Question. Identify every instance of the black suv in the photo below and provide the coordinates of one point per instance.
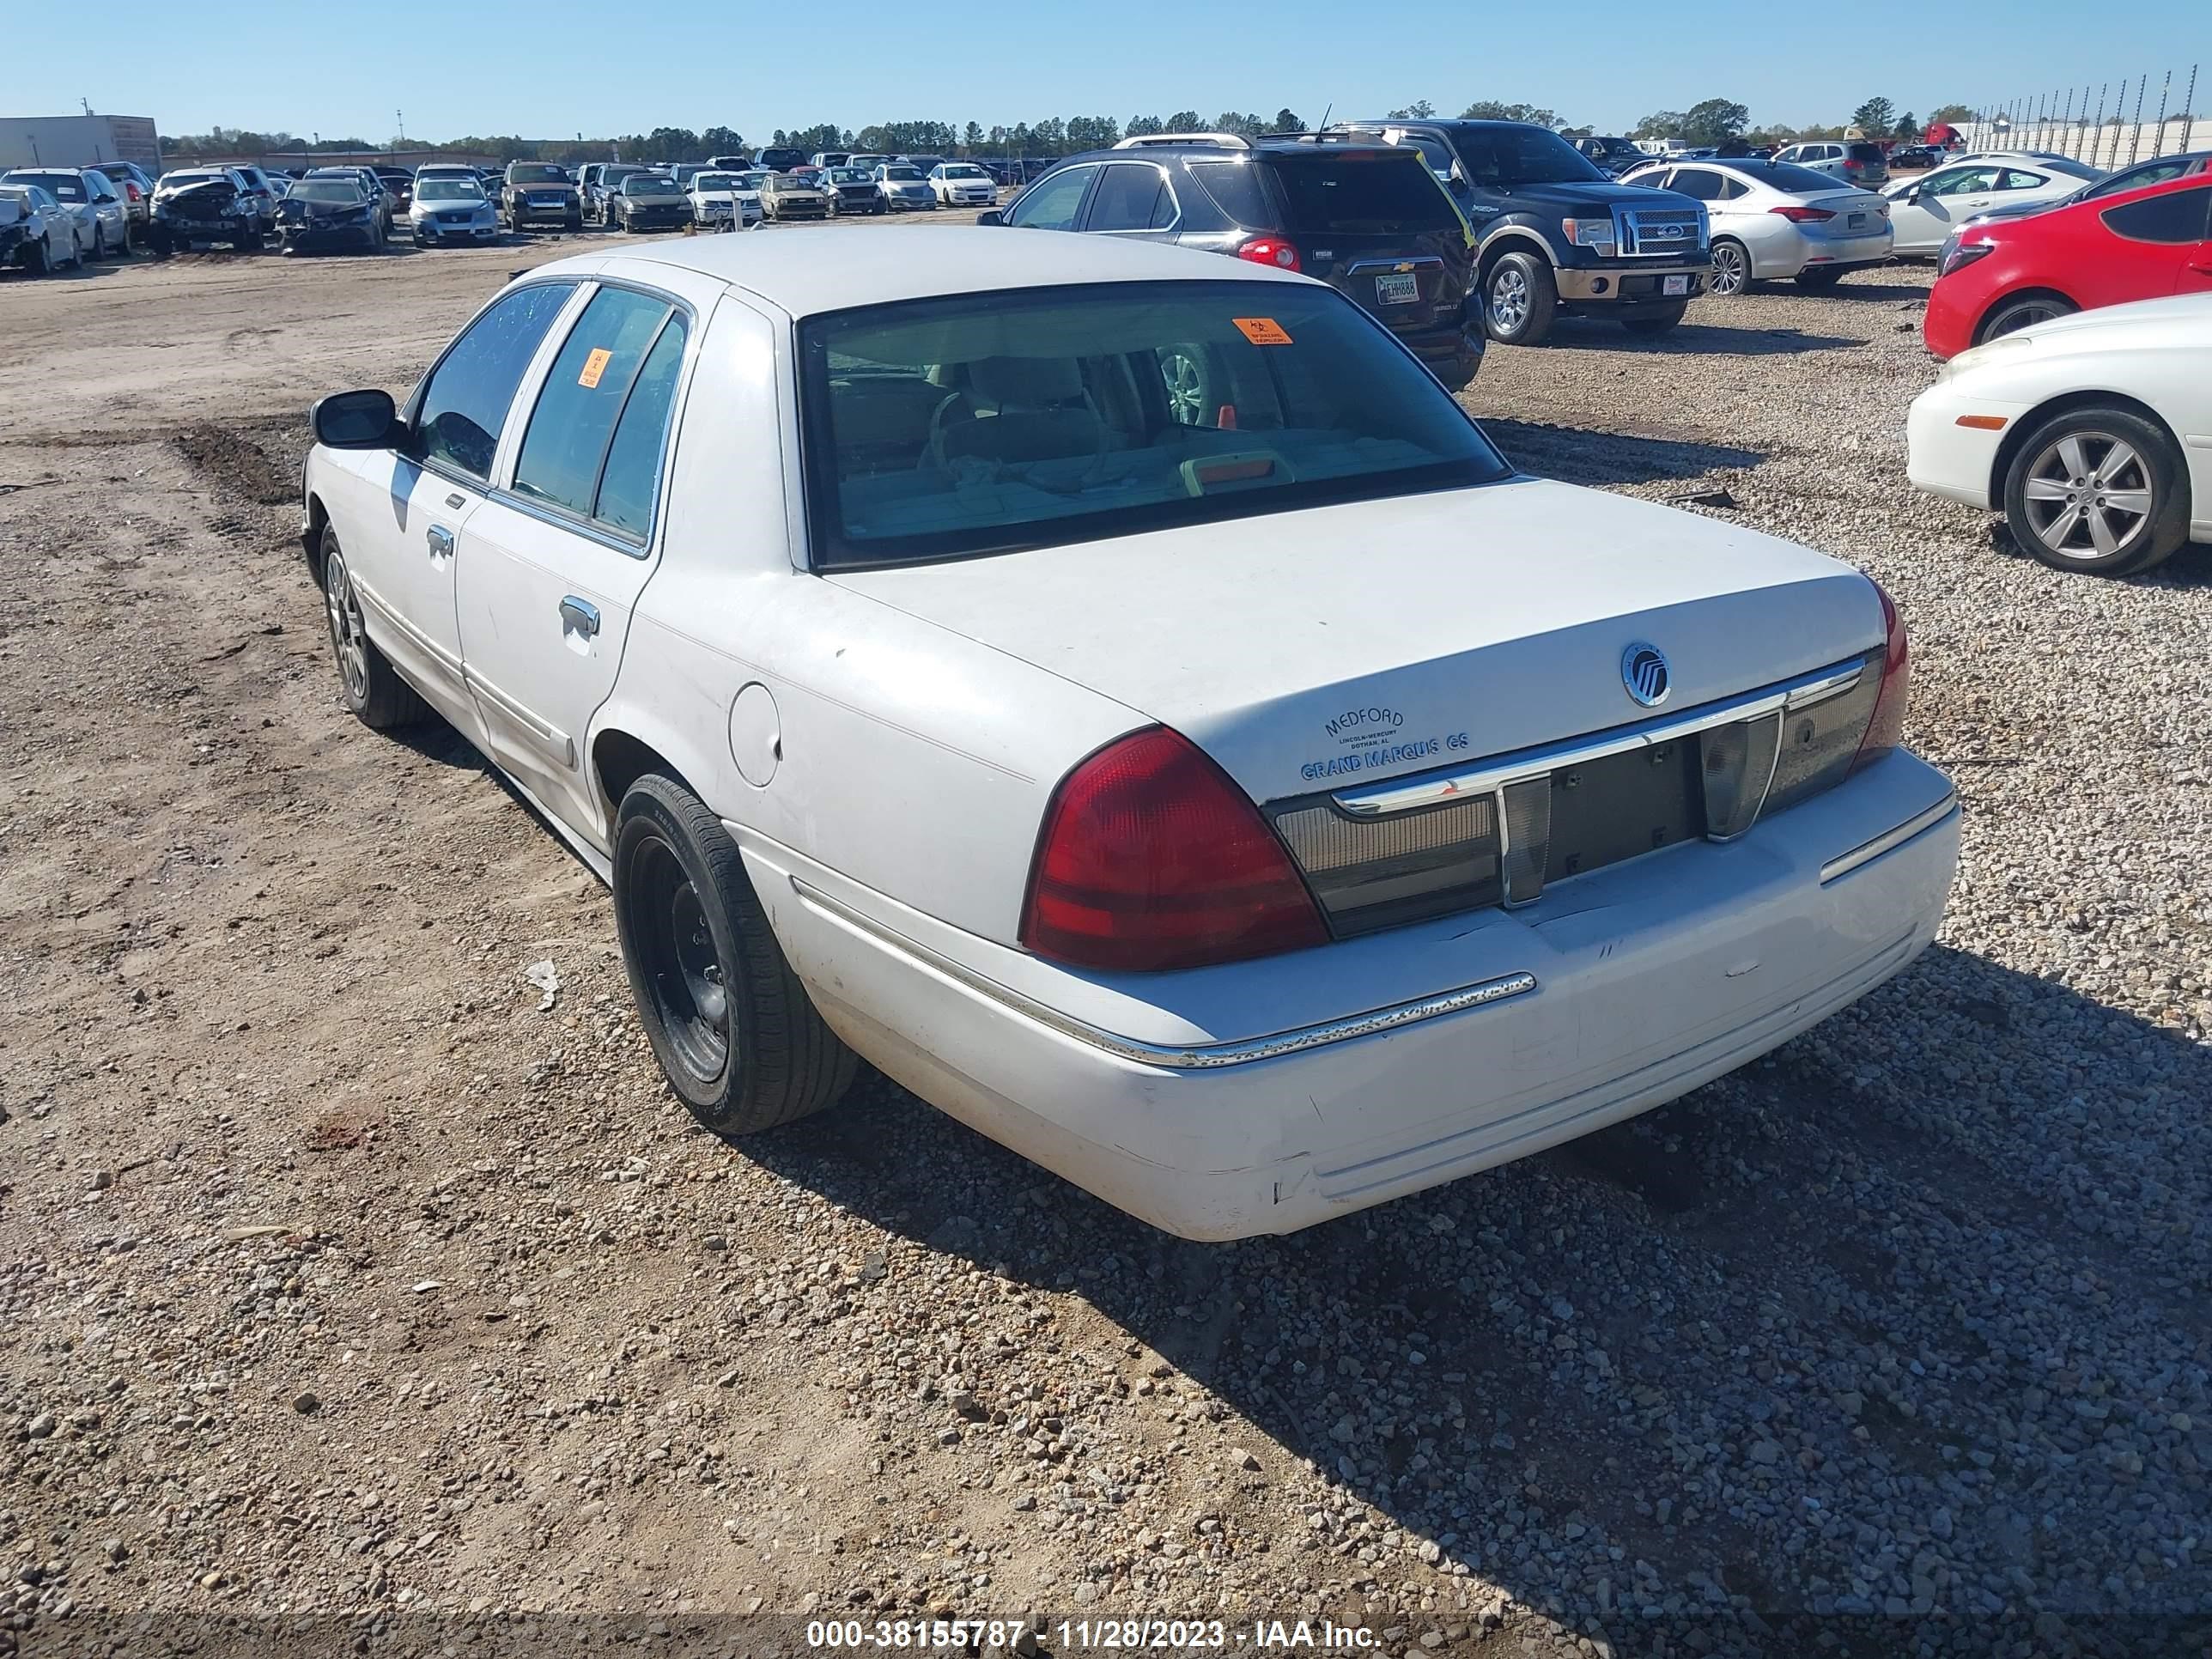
(1552, 231)
(1359, 216)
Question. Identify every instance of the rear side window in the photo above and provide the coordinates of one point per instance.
(1240, 192)
(1700, 183)
(1131, 197)
(1370, 191)
(572, 433)
(986, 422)
(2180, 215)
(463, 404)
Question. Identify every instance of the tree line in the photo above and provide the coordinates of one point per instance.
(1713, 121)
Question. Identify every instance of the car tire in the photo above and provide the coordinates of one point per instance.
(100, 244)
(1519, 300)
(1731, 268)
(2022, 311)
(1819, 278)
(39, 258)
(738, 1039)
(1653, 320)
(372, 687)
(2125, 461)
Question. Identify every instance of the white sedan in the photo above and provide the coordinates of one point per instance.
(719, 201)
(1250, 819)
(2091, 433)
(961, 184)
(1771, 220)
(1926, 209)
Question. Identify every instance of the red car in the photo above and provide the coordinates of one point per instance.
(2013, 273)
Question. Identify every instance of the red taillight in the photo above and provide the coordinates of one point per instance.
(1150, 858)
(1803, 216)
(1271, 251)
(1887, 726)
(1855, 167)
(135, 192)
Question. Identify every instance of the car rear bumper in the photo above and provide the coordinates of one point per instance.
(1453, 354)
(1204, 1115)
(1640, 285)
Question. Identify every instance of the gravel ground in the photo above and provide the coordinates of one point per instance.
(347, 1282)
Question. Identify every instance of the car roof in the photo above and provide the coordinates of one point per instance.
(805, 272)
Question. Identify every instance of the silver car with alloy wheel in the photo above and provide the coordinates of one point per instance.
(1773, 220)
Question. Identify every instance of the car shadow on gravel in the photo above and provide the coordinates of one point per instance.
(1597, 334)
(1906, 1318)
(1578, 455)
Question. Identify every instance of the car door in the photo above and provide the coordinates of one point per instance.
(558, 556)
(2162, 244)
(404, 514)
(1134, 200)
(1923, 216)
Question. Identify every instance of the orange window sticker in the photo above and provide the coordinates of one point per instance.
(594, 366)
(1262, 331)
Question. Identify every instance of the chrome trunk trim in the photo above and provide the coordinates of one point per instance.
(1890, 839)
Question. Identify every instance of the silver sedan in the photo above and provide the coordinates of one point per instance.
(1773, 219)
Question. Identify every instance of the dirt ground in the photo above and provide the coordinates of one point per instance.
(342, 1279)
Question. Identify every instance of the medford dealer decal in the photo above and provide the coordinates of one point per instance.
(1369, 734)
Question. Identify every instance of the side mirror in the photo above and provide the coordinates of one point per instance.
(356, 420)
(991, 217)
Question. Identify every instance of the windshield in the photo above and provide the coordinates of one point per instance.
(903, 173)
(751, 180)
(62, 187)
(2151, 173)
(184, 180)
(848, 176)
(988, 422)
(791, 181)
(1362, 192)
(612, 176)
(964, 170)
(536, 173)
(447, 190)
(332, 192)
(1505, 156)
(707, 182)
(650, 184)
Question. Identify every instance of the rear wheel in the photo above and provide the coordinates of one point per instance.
(1519, 300)
(2025, 311)
(2098, 490)
(1653, 320)
(99, 243)
(379, 698)
(1731, 269)
(735, 1032)
(1819, 277)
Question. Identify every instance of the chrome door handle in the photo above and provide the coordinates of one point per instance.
(580, 616)
(442, 542)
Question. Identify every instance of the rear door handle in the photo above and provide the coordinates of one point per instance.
(580, 616)
(442, 542)
(456, 500)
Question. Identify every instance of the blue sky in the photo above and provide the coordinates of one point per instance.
(554, 68)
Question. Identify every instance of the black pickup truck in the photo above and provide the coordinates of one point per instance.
(1554, 233)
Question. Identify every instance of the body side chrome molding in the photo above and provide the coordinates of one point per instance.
(1890, 839)
(1198, 1056)
(1494, 774)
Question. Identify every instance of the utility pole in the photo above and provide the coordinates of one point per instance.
(86, 102)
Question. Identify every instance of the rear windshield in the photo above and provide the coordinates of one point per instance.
(989, 423)
(1865, 152)
(62, 187)
(1362, 192)
(536, 173)
(1785, 175)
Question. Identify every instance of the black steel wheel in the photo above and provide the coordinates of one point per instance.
(736, 1036)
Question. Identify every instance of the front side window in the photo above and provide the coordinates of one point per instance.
(1964, 181)
(987, 423)
(461, 407)
(2180, 215)
(1051, 205)
(565, 448)
(1131, 197)
(1502, 157)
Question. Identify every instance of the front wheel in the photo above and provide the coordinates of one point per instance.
(372, 689)
(2100, 491)
(99, 243)
(39, 257)
(1653, 320)
(736, 1034)
(1731, 270)
(1519, 298)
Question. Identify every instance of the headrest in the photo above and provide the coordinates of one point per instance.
(1031, 382)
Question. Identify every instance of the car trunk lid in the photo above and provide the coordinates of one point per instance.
(1353, 644)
